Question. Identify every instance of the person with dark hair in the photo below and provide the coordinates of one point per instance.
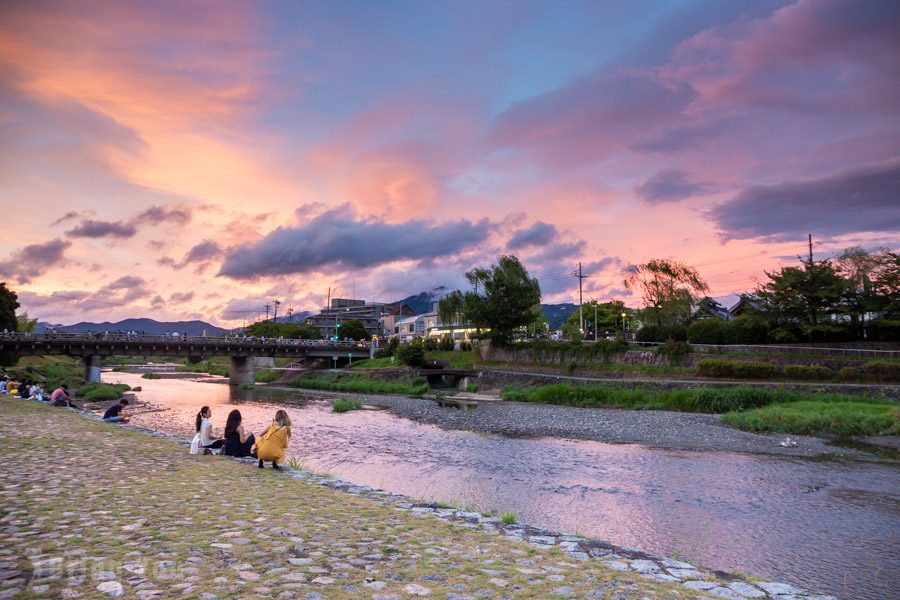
(203, 424)
(60, 396)
(274, 441)
(114, 414)
(237, 442)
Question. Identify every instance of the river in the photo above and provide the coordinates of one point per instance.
(832, 526)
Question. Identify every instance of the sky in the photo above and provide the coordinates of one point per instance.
(195, 160)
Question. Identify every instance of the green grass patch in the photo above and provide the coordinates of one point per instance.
(811, 417)
(706, 400)
(265, 376)
(99, 392)
(246, 386)
(736, 369)
(809, 372)
(508, 518)
(374, 363)
(457, 358)
(360, 385)
(151, 376)
(342, 405)
(210, 367)
(883, 370)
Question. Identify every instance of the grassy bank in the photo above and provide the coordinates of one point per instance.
(269, 535)
(812, 417)
(752, 409)
(360, 385)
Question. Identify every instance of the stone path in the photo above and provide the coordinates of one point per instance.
(92, 510)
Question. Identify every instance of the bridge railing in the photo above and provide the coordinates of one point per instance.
(94, 337)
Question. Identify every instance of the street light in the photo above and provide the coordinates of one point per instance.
(623, 326)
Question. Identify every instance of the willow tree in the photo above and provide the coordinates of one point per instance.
(668, 288)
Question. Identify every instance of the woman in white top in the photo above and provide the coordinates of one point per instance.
(203, 424)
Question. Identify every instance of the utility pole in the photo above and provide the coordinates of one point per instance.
(810, 251)
(595, 320)
(267, 311)
(291, 314)
(580, 277)
(275, 317)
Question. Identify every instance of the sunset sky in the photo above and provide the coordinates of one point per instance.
(183, 160)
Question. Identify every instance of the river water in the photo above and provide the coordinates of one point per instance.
(832, 526)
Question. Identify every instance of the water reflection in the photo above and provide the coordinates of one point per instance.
(832, 526)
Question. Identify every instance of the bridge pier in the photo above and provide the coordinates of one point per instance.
(92, 368)
(241, 370)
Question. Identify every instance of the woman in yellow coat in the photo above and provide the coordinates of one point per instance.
(272, 443)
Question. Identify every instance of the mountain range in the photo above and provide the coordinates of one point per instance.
(148, 326)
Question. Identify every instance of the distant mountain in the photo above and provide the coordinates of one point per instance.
(557, 314)
(423, 302)
(148, 326)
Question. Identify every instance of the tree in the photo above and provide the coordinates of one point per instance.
(354, 329)
(858, 268)
(886, 283)
(293, 331)
(802, 294)
(24, 324)
(450, 309)
(609, 318)
(8, 305)
(668, 289)
(505, 299)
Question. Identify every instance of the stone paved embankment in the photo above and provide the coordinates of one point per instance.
(92, 510)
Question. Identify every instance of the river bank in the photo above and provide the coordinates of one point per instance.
(142, 518)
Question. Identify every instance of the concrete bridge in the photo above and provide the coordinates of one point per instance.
(92, 347)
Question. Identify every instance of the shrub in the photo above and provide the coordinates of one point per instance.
(784, 335)
(446, 343)
(884, 330)
(850, 374)
(411, 354)
(829, 333)
(808, 372)
(151, 376)
(342, 405)
(430, 344)
(672, 351)
(363, 386)
(465, 346)
(515, 394)
(383, 353)
(739, 369)
(883, 370)
(709, 331)
(508, 518)
(748, 330)
(99, 392)
(265, 375)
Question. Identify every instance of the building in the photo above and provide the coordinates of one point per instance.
(346, 309)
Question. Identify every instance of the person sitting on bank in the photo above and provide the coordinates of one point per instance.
(237, 442)
(274, 441)
(114, 414)
(60, 397)
(203, 424)
(37, 392)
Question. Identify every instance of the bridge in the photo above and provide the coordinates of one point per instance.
(92, 347)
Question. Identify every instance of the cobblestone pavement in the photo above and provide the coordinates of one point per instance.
(93, 510)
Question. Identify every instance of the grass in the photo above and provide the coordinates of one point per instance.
(360, 385)
(99, 392)
(213, 368)
(457, 359)
(706, 400)
(265, 375)
(509, 518)
(151, 376)
(374, 363)
(246, 386)
(342, 405)
(811, 417)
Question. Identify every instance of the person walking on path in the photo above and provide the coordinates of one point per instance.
(274, 440)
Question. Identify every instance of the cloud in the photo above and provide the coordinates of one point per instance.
(590, 118)
(181, 298)
(539, 234)
(858, 200)
(202, 252)
(125, 289)
(66, 217)
(34, 260)
(90, 228)
(155, 215)
(336, 239)
(671, 185)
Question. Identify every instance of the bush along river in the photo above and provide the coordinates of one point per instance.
(829, 525)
